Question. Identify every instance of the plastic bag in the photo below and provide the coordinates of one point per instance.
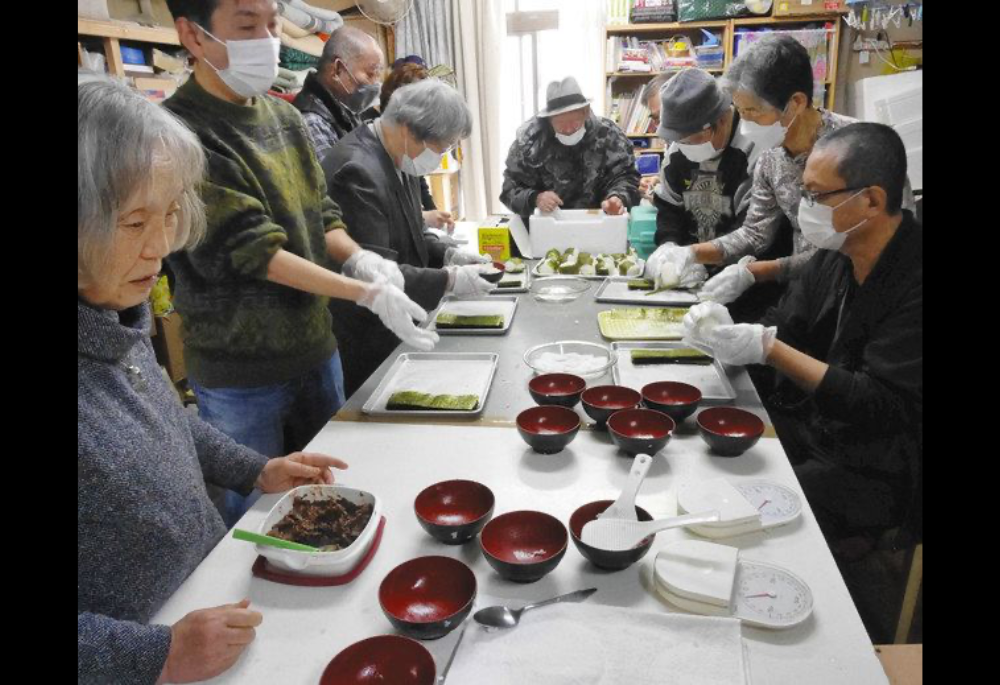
(698, 10)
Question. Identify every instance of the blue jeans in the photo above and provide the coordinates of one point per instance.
(271, 419)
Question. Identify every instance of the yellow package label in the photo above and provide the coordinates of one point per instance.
(495, 242)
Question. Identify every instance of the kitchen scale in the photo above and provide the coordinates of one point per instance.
(713, 580)
(745, 507)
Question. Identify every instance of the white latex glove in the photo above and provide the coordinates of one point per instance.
(742, 343)
(397, 313)
(466, 282)
(456, 257)
(693, 276)
(730, 283)
(369, 267)
(669, 264)
(701, 320)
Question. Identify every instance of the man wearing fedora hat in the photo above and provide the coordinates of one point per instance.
(565, 156)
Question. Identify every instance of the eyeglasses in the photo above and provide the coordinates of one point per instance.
(810, 198)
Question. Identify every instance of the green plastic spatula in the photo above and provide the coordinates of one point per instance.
(270, 541)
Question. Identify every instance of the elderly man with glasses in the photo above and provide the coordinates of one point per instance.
(846, 342)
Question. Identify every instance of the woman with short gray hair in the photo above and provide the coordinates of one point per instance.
(373, 174)
(144, 518)
(771, 82)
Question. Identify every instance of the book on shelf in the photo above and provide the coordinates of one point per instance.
(652, 11)
(630, 112)
(618, 11)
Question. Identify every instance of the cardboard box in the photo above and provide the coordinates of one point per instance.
(495, 242)
(786, 8)
(169, 346)
(155, 89)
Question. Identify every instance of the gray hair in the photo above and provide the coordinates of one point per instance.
(773, 69)
(656, 85)
(121, 138)
(432, 111)
(347, 43)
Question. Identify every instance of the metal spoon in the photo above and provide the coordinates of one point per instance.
(505, 617)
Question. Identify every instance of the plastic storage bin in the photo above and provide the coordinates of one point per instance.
(642, 230)
(132, 55)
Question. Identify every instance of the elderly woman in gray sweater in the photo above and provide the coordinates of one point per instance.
(144, 519)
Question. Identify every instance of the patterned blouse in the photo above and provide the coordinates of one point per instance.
(777, 188)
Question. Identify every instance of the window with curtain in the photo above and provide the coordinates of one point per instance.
(574, 49)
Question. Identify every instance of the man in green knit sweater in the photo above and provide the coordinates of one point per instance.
(259, 347)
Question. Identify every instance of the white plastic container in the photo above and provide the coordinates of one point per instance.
(588, 230)
(330, 564)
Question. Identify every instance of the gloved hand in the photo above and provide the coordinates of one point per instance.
(693, 276)
(465, 281)
(730, 283)
(397, 313)
(701, 320)
(669, 265)
(742, 343)
(367, 266)
(455, 257)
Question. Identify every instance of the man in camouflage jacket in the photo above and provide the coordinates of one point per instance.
(568, 157)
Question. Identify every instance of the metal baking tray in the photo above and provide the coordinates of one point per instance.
(710, 379)
(525, 277)
(642, 323)
(615, 290)
(436, 373)
(501, 304)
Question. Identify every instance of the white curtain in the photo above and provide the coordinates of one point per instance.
(479, 34)
(428, 30)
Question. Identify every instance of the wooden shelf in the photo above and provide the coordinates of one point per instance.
(799, 19)
(714, 70)
(660, 28)
(127, 31)
(728, 29)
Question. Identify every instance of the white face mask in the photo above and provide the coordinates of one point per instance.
(765, 137)
(573, 138)
(425, 163)
(253, 65)
(816, 224)
(699, 153)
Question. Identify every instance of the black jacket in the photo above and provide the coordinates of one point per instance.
(721, 198)
(867, 413)
(382, 214)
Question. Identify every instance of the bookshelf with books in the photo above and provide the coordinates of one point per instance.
(144, 54)
(637, 52)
